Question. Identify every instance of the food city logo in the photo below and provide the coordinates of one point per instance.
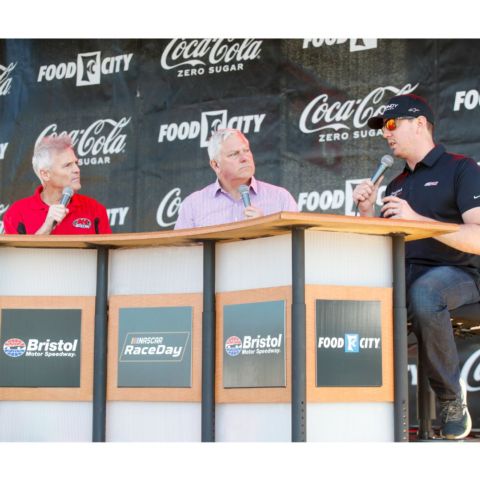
(191, 57)
(5, 78)
(209, 122)
(334, 199)
(3, 150)
(88, 68)
(96, 143)
(468, 99)
(356, 44)
(347, 119)
(116, 216)
(154, 347)
(16, 347)
(248, 345)
(349, 343)
(3, 209)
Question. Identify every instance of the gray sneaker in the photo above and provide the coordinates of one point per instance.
(456, 421)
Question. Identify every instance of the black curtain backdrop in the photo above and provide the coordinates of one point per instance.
(140, 112)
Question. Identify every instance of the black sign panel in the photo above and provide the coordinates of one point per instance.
(348, 343)
(254, 345)
(155, 347)
(40, 348)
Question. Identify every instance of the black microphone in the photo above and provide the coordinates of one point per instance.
(21, 230)
(244, 192)
(67, 195)
(385, 163)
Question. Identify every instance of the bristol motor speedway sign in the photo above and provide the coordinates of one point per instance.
(40, 348)
(254, 345)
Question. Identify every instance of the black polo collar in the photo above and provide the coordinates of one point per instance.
(430, 158)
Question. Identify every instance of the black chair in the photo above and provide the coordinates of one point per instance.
(465, 322)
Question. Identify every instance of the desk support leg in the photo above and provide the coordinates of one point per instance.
(100, 348)
(299, 382)
(400, 347)
(208, 343)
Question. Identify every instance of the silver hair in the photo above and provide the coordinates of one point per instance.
(43, 153)
(218, 137)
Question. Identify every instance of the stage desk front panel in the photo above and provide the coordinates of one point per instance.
(38, 278)
(252, 270)
(155, 277)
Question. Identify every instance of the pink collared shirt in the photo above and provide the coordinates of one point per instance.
(213, 206)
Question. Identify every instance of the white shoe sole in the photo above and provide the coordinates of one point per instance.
(463, 386)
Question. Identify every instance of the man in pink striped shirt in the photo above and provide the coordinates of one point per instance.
(221, 202)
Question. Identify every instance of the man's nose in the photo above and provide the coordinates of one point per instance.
(244, 156)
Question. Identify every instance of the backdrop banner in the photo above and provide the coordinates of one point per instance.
(140, 113)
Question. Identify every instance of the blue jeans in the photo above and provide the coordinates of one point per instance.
(431, 293)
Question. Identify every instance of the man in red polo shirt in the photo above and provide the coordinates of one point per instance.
(56, 165)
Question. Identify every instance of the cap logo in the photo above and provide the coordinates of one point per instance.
(413, 110)
(391, 106)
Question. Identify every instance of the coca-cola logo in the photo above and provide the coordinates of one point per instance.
(321, 114)
(471, 372)
(96, 143)
(5, 79)
(168, 209)
(191, 57)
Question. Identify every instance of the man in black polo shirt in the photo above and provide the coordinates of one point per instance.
(442, 273)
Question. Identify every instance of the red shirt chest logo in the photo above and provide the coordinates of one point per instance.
(84, 223)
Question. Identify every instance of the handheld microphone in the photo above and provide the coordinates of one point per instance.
(67, 195)
(385, 163)
(244, 192)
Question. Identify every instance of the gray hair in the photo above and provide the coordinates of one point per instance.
(218, 137)
(44, 149)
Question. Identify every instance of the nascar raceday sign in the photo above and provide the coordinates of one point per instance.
(155, 347)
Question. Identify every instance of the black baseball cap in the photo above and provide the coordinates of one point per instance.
(409, 105)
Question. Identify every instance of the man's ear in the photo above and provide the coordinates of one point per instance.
(422, 121)
(44, 175)
(214, 165)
